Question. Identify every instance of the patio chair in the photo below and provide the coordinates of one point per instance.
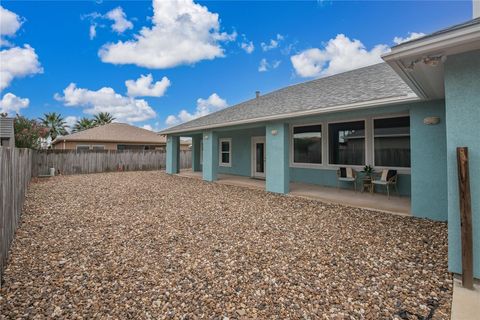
(346, 174)
(387, 178)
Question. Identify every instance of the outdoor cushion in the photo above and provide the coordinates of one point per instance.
(346, 172)
(379, 182)
(391, 173)
(384, 175)
(346, 179)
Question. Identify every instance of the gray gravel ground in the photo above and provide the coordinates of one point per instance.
(145, 245)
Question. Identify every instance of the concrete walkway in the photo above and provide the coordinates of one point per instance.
(466, 303)
(375, 201)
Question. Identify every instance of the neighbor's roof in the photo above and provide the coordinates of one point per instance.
(372, 85)
(115, 132)
(456, 27)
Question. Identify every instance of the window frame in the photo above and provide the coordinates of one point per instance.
(292, 147)
(220, 152)
(82, 146)
(366, 138)
(402, 170)
(97, 146)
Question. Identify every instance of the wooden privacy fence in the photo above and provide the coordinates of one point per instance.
(15, 174)
(73, 162)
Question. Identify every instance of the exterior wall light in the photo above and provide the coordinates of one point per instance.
(431, 120)
(274, 132)
(205, 137)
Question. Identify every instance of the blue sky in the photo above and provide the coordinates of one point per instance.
(52, 60)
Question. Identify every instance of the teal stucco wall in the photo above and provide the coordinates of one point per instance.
(241, 150)
(210, 156)
(277, 168)
(462, 99)
(428, 147)
(173, 154)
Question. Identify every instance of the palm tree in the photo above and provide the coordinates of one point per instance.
(83, 124)
(102, 118)
(55, 123)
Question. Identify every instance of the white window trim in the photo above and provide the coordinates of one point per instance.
(294, 164)
(367, 135)
(220, 163)
(400, 170)
(369, 147)
(82, 146)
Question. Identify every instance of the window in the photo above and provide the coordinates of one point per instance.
(83, 148)
(225, 152)
(130, 147)
(307, 144)
(392, 142)
(347, 143)
(98, 148)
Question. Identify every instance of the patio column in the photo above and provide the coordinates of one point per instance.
(210, 156)
(173, 154)
(196, 150)
(277, 166)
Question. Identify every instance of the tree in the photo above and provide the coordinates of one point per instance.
(28, 132)
(55, 123)
(83, 124)
(102, 118)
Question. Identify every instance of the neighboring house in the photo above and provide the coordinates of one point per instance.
(113, 136)
(7, 134)
(409, 114)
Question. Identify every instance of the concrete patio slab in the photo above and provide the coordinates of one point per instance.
(373, 201)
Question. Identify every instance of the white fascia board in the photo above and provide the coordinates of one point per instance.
(456, 38)
(346, 107)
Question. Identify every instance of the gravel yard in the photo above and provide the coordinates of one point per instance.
(144, 245)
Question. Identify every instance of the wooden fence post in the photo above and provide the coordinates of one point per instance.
(465, 217)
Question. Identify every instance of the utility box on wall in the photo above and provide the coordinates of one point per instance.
(7, 136)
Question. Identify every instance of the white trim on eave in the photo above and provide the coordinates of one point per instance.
(449, 39)
(345, 107)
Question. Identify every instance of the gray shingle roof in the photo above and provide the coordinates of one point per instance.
(361, 85)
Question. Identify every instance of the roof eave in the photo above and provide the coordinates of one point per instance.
(346, 107)
(107, 141)
(455, 38)
(444, 44)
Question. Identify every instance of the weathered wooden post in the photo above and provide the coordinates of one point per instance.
(465, 217)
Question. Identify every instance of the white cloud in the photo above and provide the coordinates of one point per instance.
(119, 18)
(92, 31)
(147, 127)
(70, 121)
(274, 43)
(248, 47)
(204, 106)
(10, 103)
(9, 22)
(107, 100)
(183, 32)
(18, 62)
(265, 65)
(144, 86)
(411, 36)
(339, 55)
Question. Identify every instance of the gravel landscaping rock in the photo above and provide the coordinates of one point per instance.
(146, 245)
